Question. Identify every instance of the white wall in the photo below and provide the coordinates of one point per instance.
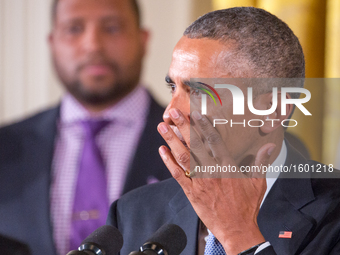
(167, 21)
(27, 83)
(24, 68)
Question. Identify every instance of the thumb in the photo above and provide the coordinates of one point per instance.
(262, 159)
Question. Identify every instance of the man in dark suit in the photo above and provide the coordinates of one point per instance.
(97, 48)
(223, 212)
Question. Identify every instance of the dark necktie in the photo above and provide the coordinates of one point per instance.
(91, 203)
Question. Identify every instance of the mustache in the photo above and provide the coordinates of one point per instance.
(98, 60)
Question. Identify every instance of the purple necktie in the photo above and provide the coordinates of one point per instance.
(91, 203)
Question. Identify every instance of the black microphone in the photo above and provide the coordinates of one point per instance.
(170, 239)
(105, 240)
(10, 246)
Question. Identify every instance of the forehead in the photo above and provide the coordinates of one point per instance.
(87, 9)
(199, 58)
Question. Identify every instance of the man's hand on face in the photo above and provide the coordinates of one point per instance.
(227, 206)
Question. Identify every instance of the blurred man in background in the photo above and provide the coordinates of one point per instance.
(62, 168)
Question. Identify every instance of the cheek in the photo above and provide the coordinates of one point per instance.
(181, 101)
(65, 64)
(65, 55)
(183, 104)
(124, 49)
(65, 47)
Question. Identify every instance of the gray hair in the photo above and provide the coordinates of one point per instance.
(263, 46)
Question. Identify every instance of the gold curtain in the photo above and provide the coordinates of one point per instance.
(307, 18)
(223, 4)
(332, 70)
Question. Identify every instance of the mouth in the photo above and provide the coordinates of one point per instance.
(97, 69)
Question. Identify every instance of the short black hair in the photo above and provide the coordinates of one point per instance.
(134, 4)
(264, 46)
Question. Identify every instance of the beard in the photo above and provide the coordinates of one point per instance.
(113, 93)
(102, 91)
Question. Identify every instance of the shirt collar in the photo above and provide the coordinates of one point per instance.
(132, 108)
(281, 158)
(278, 163)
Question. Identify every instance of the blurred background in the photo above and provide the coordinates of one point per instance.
(28, 84)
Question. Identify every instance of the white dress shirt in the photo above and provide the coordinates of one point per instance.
(117, 142)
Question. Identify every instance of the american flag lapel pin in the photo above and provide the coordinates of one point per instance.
(285, 234)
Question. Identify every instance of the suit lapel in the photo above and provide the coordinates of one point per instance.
(39, 147)
(147, 166)
(273, 219)
(281, 209)
(185, 216)
(279, 212)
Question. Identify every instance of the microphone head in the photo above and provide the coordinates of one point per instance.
(171, 237)
(107, 238)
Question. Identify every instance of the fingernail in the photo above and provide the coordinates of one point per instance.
(163, 128)
(166, 115)
(270, 150)
(162, 150)
(174, 113)
(196, 115)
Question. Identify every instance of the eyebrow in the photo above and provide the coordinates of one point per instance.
(79, 18)
(168, 79)
(185, 82)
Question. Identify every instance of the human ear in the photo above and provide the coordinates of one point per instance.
(274, 120)
(144, 39)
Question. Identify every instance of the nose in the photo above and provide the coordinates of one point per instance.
(92, 39)
(166, 115)
(182, 103)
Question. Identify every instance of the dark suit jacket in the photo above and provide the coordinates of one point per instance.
(26, 152)
(307, 207)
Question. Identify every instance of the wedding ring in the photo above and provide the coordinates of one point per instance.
(189, 174)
